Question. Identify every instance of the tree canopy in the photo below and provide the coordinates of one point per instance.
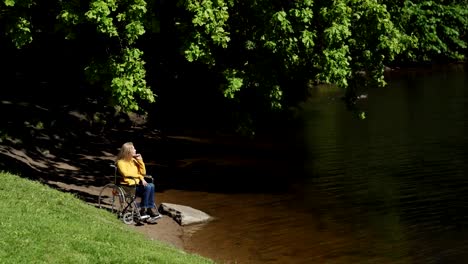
(259, 54)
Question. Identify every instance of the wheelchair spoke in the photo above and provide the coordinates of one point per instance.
(111, 198)
(121, 201)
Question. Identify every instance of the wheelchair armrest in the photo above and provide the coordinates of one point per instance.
(149, 178)
(133, 177)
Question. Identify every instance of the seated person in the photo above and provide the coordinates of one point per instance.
(132, 169)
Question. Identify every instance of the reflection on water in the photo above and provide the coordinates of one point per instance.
(392, 188)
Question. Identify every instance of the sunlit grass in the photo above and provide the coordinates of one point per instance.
(41, 225)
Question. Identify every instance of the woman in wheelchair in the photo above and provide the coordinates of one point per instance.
(133, 171)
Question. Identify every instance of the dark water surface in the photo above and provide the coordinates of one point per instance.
(392, 188)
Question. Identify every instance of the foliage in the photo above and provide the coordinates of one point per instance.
(209, 20)
(18, 25)
(290, 44)
(119, 68)
(439, 28)
(267, 52)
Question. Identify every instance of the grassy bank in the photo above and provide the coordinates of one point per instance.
(41, 225)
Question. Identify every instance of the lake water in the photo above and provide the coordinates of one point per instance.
(390, 188)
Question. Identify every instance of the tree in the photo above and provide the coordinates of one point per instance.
(113, 27)
(263, 55)
(288, 45)
(439, 28)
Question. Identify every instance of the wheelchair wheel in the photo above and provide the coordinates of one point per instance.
(112, 198)
(128, 217)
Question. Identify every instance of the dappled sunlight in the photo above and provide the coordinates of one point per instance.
(22, 156)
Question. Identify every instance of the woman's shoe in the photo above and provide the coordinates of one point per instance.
(152, 214)
(143, 214)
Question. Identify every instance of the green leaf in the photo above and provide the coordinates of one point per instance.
(9, 2)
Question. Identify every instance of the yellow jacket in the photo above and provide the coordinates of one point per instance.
(133, 168)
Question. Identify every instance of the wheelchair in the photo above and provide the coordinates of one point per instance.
(122, 200)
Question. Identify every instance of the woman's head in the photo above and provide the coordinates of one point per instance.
(126, 151)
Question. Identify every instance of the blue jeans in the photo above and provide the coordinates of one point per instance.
(147, 195)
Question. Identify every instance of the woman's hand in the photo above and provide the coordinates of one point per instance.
(144, 182)
(138, 156)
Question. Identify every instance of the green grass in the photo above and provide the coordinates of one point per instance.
(39, 224)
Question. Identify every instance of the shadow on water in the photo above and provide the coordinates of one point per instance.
(391, 188)
(401, 172)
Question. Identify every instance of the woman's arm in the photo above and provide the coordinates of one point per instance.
(141, 165)
(130, 171)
